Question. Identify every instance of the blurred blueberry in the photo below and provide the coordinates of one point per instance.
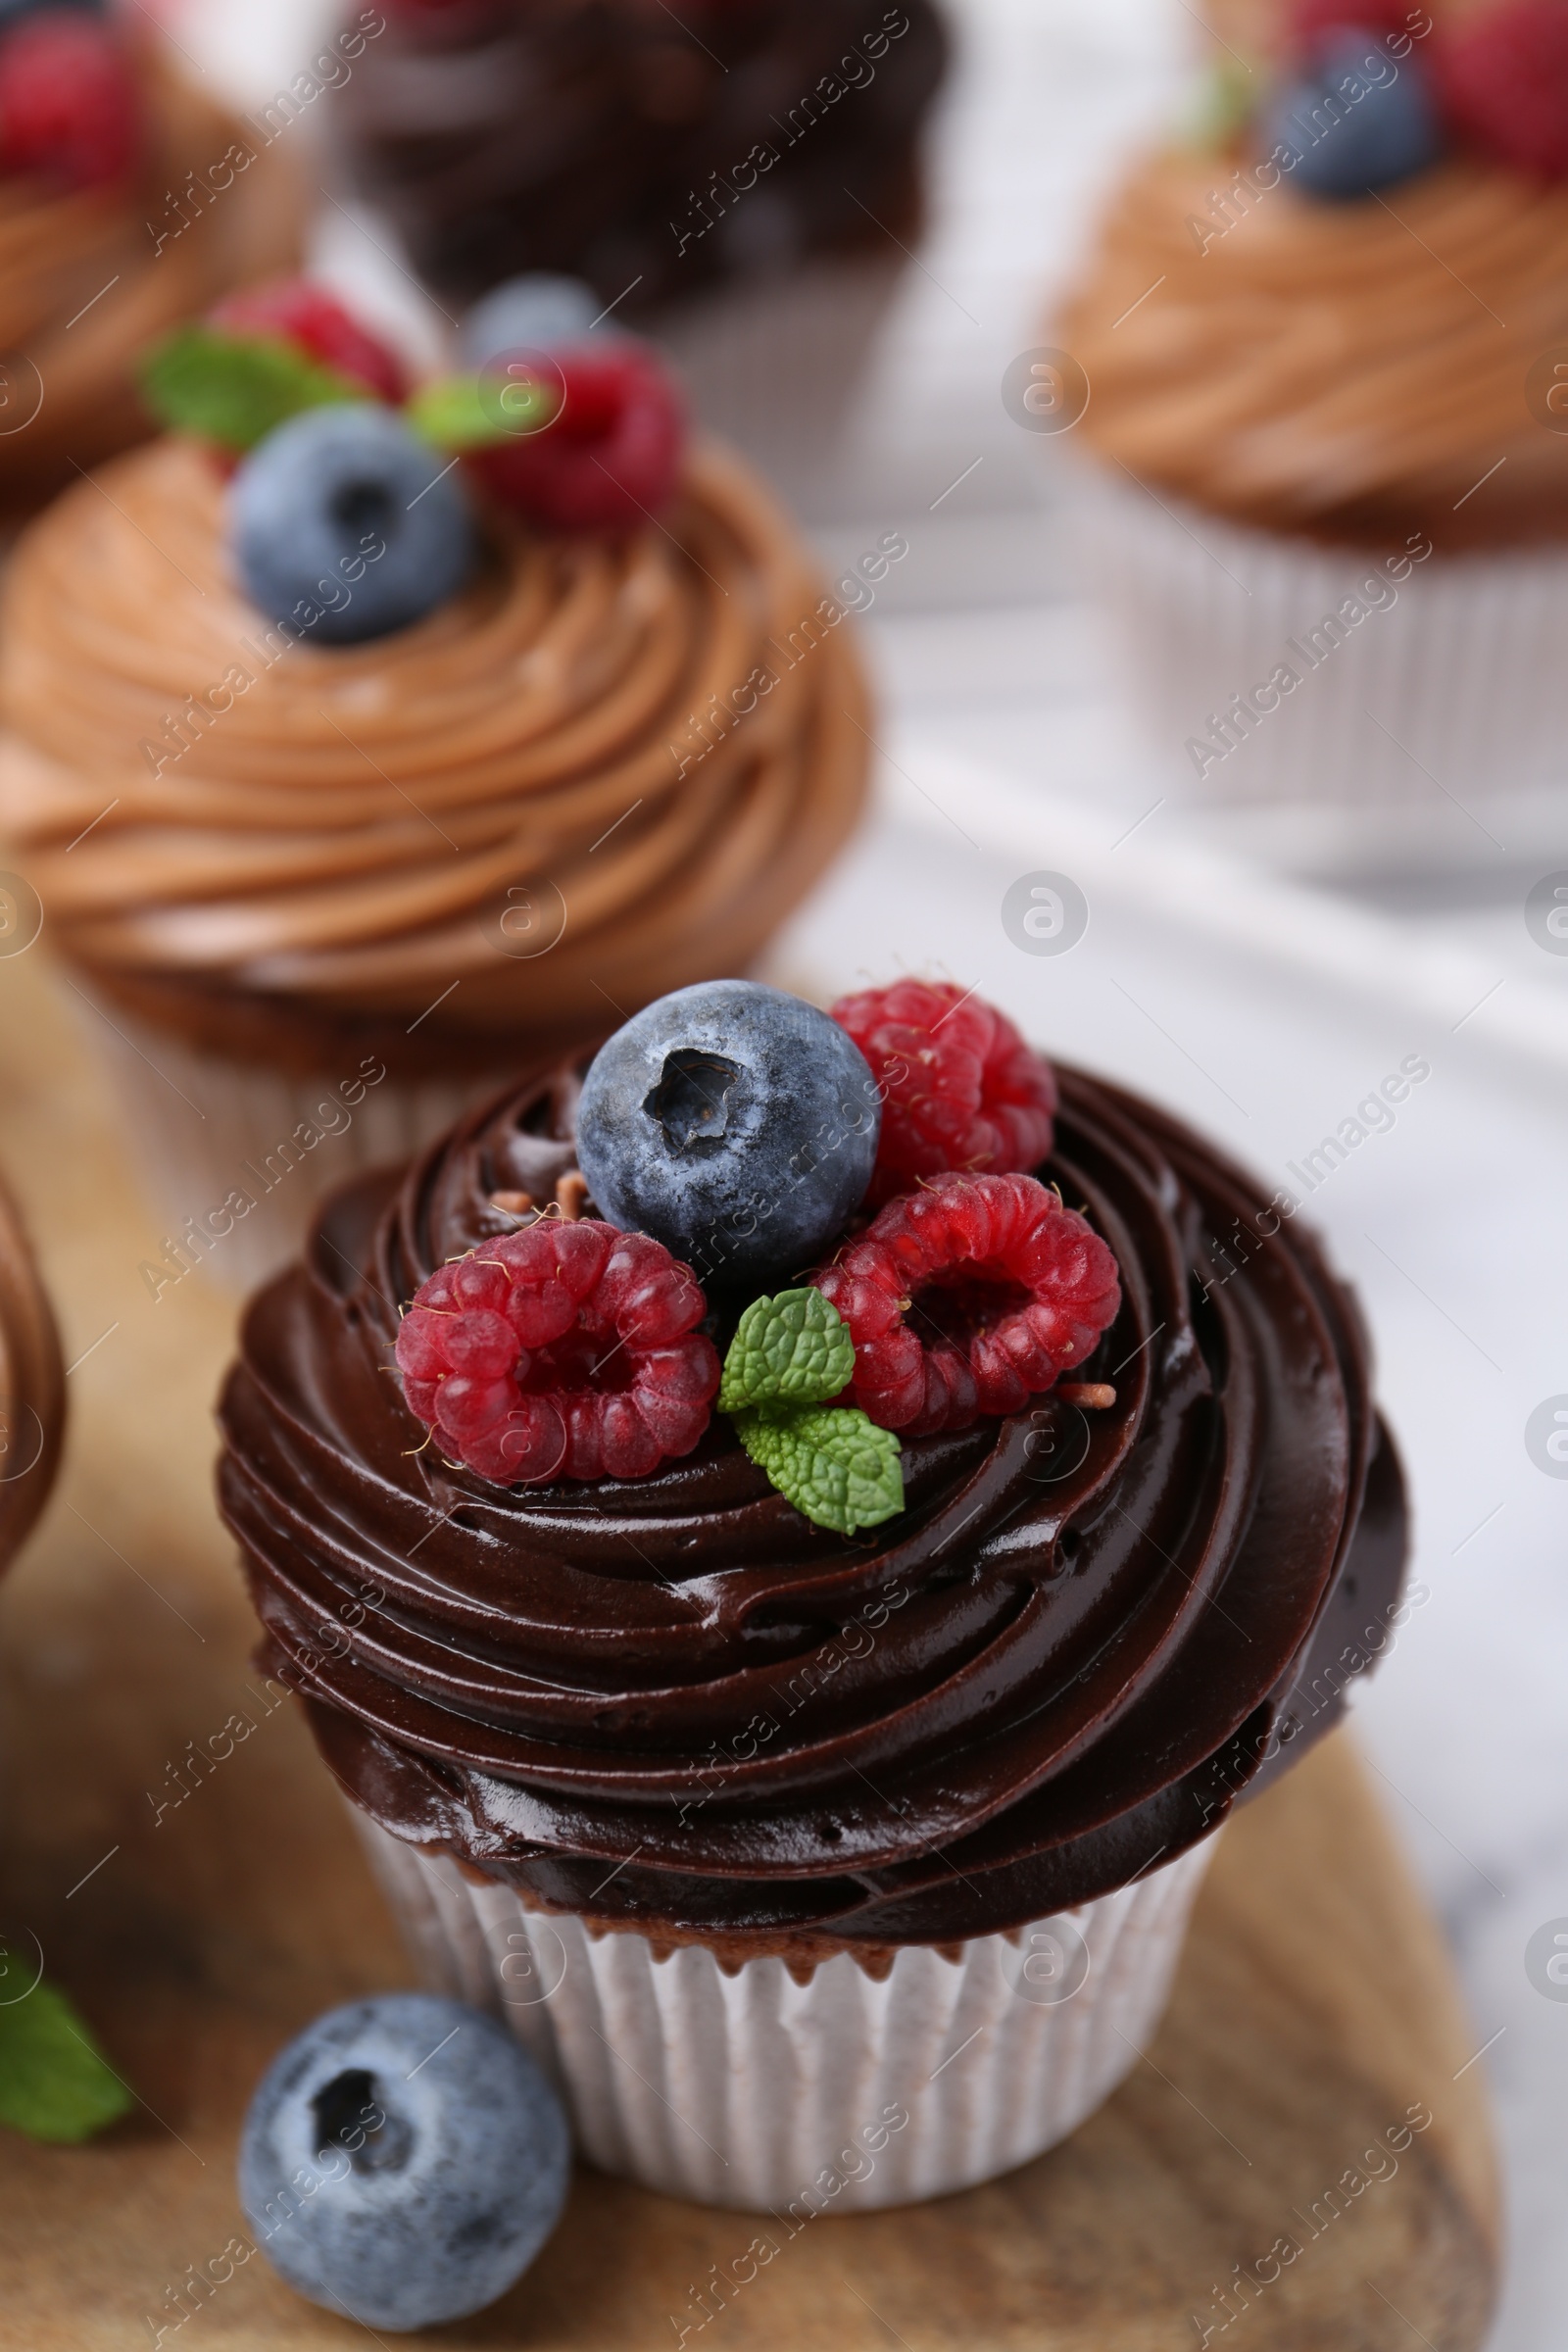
(1348, 144)
(734, 1123)
(533, 313)
(313, 503)
(403, 2161)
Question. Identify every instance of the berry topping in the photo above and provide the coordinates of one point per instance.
(1504, 85)
(440, 2152)
(961, 1088)
(296, 311)
(967, 1298)
(1315, 24)
(561, 1351)
(70, 109)
(736, 1125)
(537, 311)
(608, 455)
(1355, 121)
(344, 525)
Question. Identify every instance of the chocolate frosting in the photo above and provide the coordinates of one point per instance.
(32, 1386)
(579, 135)
(673, 1704)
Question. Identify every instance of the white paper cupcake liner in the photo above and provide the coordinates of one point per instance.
(1421, 684)
(841, 2095)
(236, 1158)
(783, 367)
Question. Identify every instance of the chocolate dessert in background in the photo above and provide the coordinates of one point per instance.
(656, 156)
(740, 178)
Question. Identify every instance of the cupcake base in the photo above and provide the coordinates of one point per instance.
(845, 2092)
(1422, 682)
(237, 1156)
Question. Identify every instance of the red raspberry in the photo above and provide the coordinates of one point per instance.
(967, 1298)
(307, 315)
(1314, 23)
(70, 108)
(1504, 81)
(611, 455)
(962, 1089)
(561, 1351)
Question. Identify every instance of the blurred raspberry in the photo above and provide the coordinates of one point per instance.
(70, 108)
(302, 314)
(1502, 79)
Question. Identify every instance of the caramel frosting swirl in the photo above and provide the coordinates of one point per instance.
(1354, 369)
(605, 769)
(32, 1386)
(89, 278)
(673, 1705)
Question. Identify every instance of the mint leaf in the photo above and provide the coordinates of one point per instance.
(792, 1349)
(237, 389)
(835, 1466)
(469, 411)
(53, 2083)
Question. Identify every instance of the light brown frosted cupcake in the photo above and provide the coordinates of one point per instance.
(319, 893)
(160, 202)
(1333, 468)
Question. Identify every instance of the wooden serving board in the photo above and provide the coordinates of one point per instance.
(1314, 2011)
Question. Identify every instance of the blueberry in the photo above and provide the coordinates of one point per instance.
(1359, 120)
(735, 1124)
(343, 514)
(403, 2161)
(533, 313)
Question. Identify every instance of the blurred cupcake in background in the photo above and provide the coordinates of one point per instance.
(361, 744)
(32, 1386)
(740, 176)
(128, 202)
(1325, 337)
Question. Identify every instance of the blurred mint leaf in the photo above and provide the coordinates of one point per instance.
(237, 389)
(835, 1465)
(470, 412)
(54, 2084)
(792, 1349)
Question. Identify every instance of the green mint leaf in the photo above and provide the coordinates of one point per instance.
(792, 1349)
(53, 2083)
(835, 1466)
(469, 411)
(237, 389)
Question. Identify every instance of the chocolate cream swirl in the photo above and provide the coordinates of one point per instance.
(652, 152)
(1355, 370)
(32, 1386)
(674, 1705)
(605, 769)
(91, 277)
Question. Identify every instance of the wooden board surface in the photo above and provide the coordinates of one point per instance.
(1313, 2011)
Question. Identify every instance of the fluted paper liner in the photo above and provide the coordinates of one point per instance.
(840, 2094)
(1439, 680)
(211, 1136)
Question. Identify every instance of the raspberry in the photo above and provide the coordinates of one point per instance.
(962, 1089)
(566, 1351)
(296, 311)
(967, 1298)
(70, 108)
(1504, 81)
(1315, 24)
(610, 456)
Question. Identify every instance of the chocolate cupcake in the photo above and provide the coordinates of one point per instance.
(128, 202)
(744, 179)
(1323, 336)
(354, 778)
(32, 1388)
(836, 1780)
